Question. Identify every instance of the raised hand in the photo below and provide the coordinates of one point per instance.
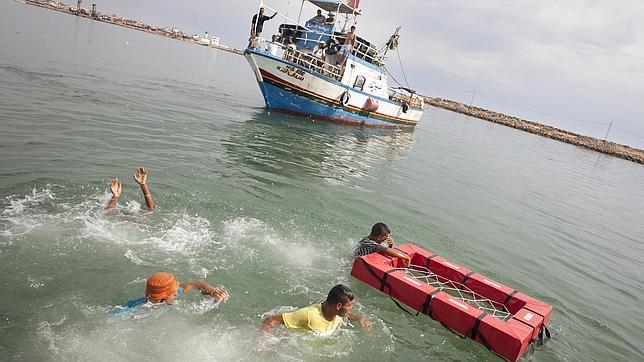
(141, 176)
(390, 241)
(115, 187)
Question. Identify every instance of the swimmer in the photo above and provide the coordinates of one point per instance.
(141, 177)
(323, 317)
(162, 287)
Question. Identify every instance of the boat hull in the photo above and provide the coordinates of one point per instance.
(291, 88)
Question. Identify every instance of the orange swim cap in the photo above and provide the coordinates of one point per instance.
(160, 286)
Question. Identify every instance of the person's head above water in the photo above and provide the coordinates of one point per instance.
(340, 298)
(379, 232)
(161, 287)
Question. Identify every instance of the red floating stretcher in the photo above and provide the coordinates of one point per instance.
(504, 320)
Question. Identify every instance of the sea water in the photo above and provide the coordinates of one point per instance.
(270, 206)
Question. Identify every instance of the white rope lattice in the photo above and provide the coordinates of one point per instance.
(459, 291)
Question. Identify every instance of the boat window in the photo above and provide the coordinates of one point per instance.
(359, 83)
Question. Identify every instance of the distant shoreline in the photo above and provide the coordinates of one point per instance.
(595, 144)
(126, 23)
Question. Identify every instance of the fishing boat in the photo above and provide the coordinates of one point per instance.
(304, 69)
(505, 321)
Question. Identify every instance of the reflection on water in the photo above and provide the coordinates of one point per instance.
(284, 145)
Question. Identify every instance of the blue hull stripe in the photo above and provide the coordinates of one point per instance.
(279, 99)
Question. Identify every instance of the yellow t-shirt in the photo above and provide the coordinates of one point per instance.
(311, 318)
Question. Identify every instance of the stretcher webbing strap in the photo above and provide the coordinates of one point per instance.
(475, 332)
(509, 297)
(544, 332)
(383, 284)
(523, 322)
(383, 281)
(426, 307)
(544, 335)
(429, 259)
(466, 277)
(477, 324)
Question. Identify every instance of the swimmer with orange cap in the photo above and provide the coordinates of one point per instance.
(162, 287)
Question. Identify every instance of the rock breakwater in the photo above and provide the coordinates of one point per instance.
(595, 144)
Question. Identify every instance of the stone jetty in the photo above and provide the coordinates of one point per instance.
(114, 19)
(607, 147)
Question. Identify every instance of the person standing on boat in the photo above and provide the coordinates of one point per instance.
(372, 244)
(347, 47)
(257, 24)
(141, 178)
(323, 317)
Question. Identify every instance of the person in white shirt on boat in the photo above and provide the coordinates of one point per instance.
(372, 244)
(273, 45)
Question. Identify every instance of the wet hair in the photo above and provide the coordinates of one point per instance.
(339, 294)
(380, 229)
(353, 27)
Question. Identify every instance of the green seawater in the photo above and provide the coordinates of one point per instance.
(271, 206)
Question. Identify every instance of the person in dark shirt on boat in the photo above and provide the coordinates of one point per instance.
(257, 25)
(324, 317)
(318, 19)
(141, 178)
(372, 244)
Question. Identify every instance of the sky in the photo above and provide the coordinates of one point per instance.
(575, 64)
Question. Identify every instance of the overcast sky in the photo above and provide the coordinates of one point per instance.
(574, 64)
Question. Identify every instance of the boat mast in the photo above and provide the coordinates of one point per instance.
(299, 16)
(392, 43)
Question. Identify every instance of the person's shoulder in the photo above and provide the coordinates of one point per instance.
(366, 240)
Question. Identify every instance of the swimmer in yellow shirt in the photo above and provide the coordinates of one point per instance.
(324, 317)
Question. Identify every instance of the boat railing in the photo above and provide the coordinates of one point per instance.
(313, 63)
(368, 53)
(411, 100)
(361, 50)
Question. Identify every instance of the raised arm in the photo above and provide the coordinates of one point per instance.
(271, 322)
(141, 178)
(219, 294)
(115, 188)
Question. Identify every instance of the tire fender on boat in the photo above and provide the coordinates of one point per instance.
(345, 98)
(405, 107)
